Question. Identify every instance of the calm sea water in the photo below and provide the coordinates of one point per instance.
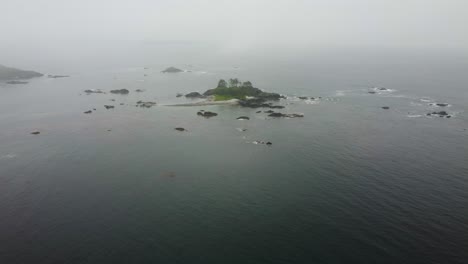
(348, 183)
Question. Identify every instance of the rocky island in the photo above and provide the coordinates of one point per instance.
(235, 92)
(11, 74)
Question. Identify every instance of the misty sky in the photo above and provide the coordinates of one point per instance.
(77, 30)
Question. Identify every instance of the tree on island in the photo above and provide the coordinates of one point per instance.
(222, 84)
(247, 84)
(233, 82)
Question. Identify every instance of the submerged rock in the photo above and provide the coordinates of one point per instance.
(88, 112)
(276, 106)
(35, 132)
(303, 97)
(108, 106)
(269, 111)
(120, 91)
(294, 115)
(257, 142)
(243, 118)
(440, 114)
(179, 95)
(206, 113)
(276, 114)
(372, 92)
(385, 107)
(180, 129)
(139, 90)
(442, 104)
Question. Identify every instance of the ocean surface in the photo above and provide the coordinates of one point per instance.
(349, 182)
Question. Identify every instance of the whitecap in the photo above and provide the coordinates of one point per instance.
(309, 101)
(340, 93)
(426, 100)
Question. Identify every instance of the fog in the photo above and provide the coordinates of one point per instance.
(50, 34)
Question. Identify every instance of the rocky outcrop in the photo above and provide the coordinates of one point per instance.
(109, 106)
(194, 95)
(440, 114)
(148, 104)
(243, 118)
(35, 132)
(90, 91)
(120, 91)
(181, 129)
(258, 103)
(88, 112)
(206, 114)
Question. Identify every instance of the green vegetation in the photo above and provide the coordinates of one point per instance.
(235, 89)
(219, 97)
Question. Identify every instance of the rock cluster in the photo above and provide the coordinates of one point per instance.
(120, 91)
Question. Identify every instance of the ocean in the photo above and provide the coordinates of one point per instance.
(349, 182)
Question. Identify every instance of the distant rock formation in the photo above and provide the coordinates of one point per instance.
(57, 76)
(172, 70)
(17, 82)
(7, 73)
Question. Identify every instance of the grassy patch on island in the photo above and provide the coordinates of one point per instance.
(226, 97)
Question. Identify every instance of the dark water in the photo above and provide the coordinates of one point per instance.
(348, 183)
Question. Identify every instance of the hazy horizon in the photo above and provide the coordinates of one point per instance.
(50, 34)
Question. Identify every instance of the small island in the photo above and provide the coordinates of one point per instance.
(172, 70)
(236, 89)
(235, 92)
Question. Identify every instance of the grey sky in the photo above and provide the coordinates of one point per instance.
(89, 27)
